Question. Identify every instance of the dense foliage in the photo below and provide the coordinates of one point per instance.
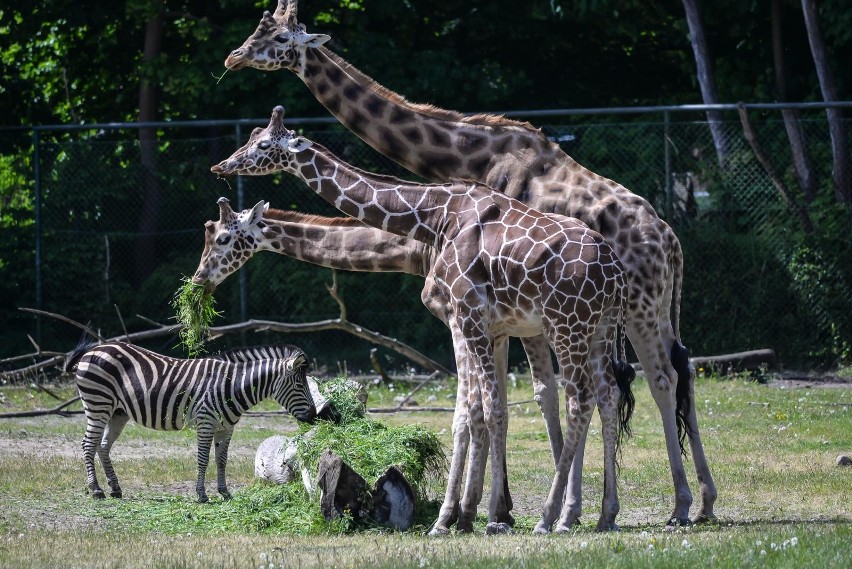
(87, 62)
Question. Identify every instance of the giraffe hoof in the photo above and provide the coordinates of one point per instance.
(607, 526)
(674, 523)
(541, 528)
(562, 529)
(704, 519)
(439, 531)
(498, 528)
(98, 494)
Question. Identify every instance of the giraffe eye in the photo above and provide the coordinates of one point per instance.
(264, 144)
(223, 239)
(282, 38)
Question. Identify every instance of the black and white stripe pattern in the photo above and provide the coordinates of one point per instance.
(118, 382)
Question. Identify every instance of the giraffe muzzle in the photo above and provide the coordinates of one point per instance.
(221, 169)
(236, 60)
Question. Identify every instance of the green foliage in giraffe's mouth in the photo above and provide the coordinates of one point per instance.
(194, 311)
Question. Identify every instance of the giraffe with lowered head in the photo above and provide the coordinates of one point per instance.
(347, 244)
(501, 269)
(518, 160)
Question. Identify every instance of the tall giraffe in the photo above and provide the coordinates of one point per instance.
(516, 159)
(501, 269)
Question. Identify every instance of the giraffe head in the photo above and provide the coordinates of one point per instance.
(279, 42)
(229, 243)
(268, 150)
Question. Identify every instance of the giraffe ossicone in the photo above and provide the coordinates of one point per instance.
(517, 159)
(501, 269)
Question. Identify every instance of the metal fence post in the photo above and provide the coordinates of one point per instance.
(667, 153)
(37, 190)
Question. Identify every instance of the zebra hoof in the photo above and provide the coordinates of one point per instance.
(98, 494)
(225, 495)
(115, 494)
(203, 499)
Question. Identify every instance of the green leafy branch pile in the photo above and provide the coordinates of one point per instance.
(194, 312)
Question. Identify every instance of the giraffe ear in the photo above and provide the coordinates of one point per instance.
(313, 40)
(298, 144)
(257, 212)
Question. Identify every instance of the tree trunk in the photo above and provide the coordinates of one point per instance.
(803, 166)
(146, 242)
(706, 79)
(840, 172)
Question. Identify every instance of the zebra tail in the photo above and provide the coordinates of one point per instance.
(73, 357)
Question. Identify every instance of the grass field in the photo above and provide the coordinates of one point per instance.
(783, 502)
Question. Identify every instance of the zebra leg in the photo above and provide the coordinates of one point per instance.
(222, 439)
(94, 432)
(205, 439)
(113, 430)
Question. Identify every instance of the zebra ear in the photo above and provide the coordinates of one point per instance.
(296, 362)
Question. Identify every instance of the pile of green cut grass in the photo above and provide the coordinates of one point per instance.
(370, 447)
(194, 312)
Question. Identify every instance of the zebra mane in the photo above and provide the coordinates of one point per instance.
(256, 353)
(269, 352)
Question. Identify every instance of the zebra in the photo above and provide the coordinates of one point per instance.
(118, 381)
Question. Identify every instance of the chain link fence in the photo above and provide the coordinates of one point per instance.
(110, 239)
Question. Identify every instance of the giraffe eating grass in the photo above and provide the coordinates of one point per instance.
(501, 269)
(518, 160)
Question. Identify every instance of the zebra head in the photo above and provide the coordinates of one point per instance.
(291, 390)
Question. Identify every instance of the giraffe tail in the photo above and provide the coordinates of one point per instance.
(679, 352)
(624, 373)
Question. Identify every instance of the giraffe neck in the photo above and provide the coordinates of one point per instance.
(437, 144)
(383, 202)
(343, 243)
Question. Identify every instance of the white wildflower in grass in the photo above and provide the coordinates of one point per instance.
(762, 552)
(794, 541)
(685, 543)
(759, 542)
(584, 544)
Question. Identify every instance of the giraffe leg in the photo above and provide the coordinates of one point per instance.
(221, 440)
(478, 451)
(449, 512)
(501, 520)
(702, 470)
(113, 430)
(607, 396)
(572, 507)
(662, 380)
(579, 403)
(545, 391)
(94, 432)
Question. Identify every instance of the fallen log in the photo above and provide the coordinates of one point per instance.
(754, 360)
